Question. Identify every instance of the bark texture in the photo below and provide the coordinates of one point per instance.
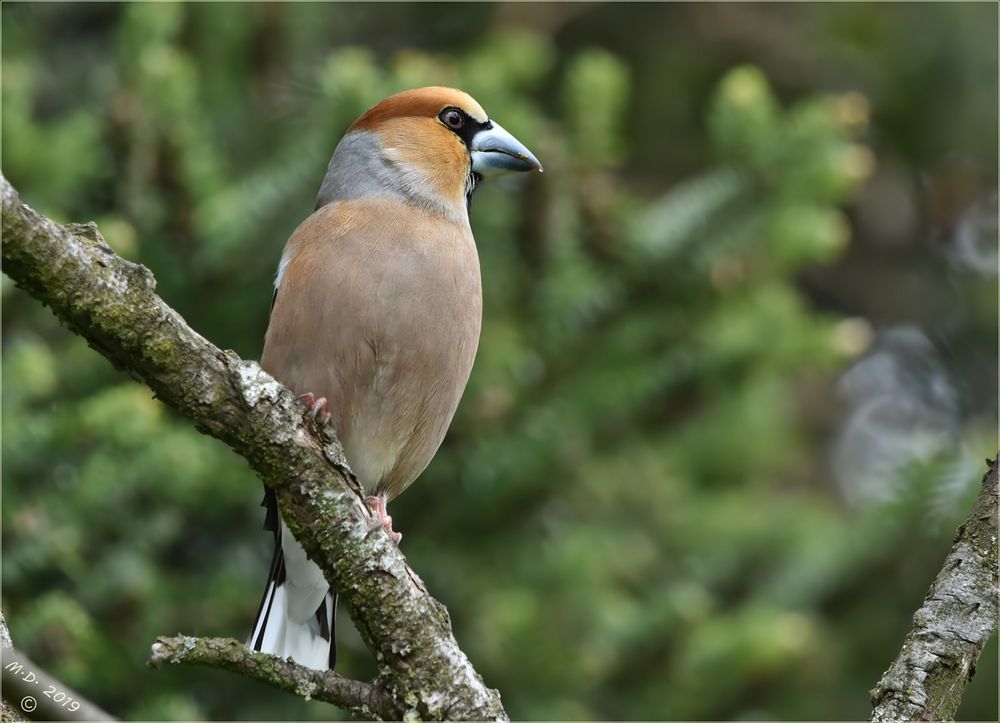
(112, 303)
(951, 628)
(365, 700)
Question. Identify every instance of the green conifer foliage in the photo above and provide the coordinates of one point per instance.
(633, 516)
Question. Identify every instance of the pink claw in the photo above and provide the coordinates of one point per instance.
(317, 407)
(382, 518)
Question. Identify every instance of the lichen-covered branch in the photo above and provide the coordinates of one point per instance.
(365, 700)
(112, 304)
(953, 625)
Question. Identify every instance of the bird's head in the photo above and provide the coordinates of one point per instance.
(430, 145)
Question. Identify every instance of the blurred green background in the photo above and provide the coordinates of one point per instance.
(738, 372)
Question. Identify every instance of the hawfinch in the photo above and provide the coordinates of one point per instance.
(375, 320)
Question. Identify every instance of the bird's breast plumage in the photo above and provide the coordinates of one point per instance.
(378, 308)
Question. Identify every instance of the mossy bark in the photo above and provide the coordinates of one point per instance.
(365, 700)
(112, 303)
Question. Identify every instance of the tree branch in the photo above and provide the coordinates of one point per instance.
(953, 625)
(31, 693)
(365, 700)
(111, 303)
(8, 711)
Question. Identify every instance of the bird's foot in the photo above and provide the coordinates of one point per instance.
(317, 407)
(382, 518)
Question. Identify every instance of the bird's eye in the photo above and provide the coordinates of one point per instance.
(453, 118)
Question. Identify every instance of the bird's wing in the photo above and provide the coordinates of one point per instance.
(378, 309)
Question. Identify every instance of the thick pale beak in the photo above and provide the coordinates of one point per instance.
(496, 151)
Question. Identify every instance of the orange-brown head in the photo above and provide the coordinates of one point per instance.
(430, 145)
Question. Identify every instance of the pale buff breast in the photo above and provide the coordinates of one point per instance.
(378, 309)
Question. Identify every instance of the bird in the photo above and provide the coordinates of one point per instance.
(375, 321)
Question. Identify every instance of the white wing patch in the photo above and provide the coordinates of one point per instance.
(285, 258)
